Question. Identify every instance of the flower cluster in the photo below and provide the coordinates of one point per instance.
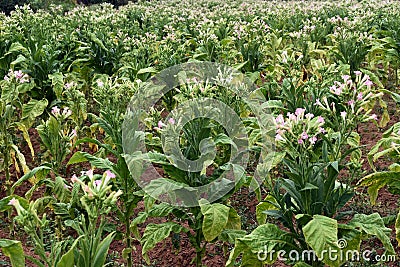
(98, 186)
(353, 97)
(301, 127)
(65, 113)
(18, 75)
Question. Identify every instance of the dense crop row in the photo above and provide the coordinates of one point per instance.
(318, 70)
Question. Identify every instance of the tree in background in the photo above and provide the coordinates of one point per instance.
(7, 6)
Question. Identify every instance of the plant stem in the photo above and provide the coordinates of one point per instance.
(128, 240)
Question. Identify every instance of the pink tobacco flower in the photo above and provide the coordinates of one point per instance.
(345, 77)
(280, 120)
(55, 110)
(280, 131)
(74, 179)
(304, 136)
(309, 116)
(69, 85)
(300, 141)
(13, 202)
(368, 83)
(313, 140)
(343, 114)
(291, 116)
(299, 111)
(279, 137)
(18, 74)
(160, 124)
(89, 173)
(110, 174)
(99, 83)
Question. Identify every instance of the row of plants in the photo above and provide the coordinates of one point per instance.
(322, 70)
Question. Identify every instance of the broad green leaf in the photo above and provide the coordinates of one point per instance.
(100, 163)
(349, 242)
(13, 250)
(385, 116)
(234, 220)
(68, 259)
(8, 94)
(263, 206)
(155, 233)
(19, 59)
(57, 82)
(274, 104)
(396, 97)
(160, 210)
(139, 219)
(24, 88)
(162, 186)
(102, 251)
(377, 180)
(309, 186)
(321, 233)
(264, 242)
(270, 161)
(373, 225)
(239, 66)
(230, 235)
(354, 139)
(224, 139)
(25, 134)
(78, 157)
(21, 160)
(16, 47)
(97, 41)
(251, 260)
(39, 171)
(147, 70)
(31, 110)
(215, 219)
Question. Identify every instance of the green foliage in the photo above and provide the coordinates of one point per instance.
(387, 146)
(13, 250)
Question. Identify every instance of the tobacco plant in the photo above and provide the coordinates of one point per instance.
(95, 198)
(18, 113)
(199, 158)
(110, 121)
(389, 146)
(309, 197)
